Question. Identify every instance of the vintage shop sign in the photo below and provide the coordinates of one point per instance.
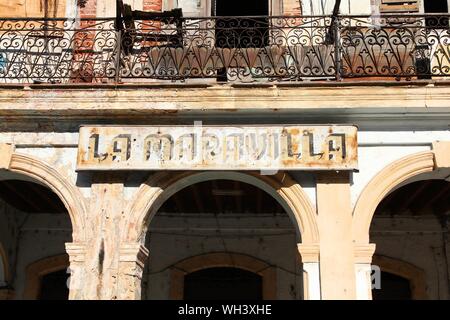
(218, 148)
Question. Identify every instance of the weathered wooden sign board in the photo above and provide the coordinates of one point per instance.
(290, 147)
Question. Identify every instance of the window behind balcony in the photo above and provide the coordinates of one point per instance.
(413, 6)
(399, 6)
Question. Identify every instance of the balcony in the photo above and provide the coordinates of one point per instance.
(224, 49)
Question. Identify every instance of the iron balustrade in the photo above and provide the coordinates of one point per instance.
(239, 49)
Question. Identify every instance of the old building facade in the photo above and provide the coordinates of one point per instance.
(276, 150)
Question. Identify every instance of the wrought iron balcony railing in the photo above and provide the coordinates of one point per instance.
(244, 49)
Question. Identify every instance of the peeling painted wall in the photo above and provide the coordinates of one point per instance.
(44, 125)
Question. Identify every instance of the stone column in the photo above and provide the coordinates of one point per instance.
(363, 270)
(131, 266)
(309, 255)
(337, 269)
(78, 286)
(104, 229)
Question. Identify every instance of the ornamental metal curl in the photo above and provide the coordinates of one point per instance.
(57, 51)
(235, 49)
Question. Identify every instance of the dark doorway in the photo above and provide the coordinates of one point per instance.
(240, 8)
(54, 286)
(436, 6)
(433, 22)
(241, 32)
(393, 287)
(222, 284)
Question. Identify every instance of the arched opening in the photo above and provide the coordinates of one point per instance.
(386, 181)
(223, 260)
(34, 224)
(394, 288)
(411, 225)
(54, 286)
(47, 279)
(399, 280)
(228, 225)
(223, 284)
(161, 186)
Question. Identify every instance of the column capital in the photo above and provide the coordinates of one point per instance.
(133, 252)
(309, 252)
(6, 152)
(364, 253)
(76, 251)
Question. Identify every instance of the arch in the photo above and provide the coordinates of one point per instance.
(36, 270)
(68, 193)
(223, 259)
(162, 185)
(413, 274)
(384, 182)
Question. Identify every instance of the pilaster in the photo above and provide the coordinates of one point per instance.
(131, 266)
(77, 284)
(363, 270)
(337, 276)
(309, 255)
